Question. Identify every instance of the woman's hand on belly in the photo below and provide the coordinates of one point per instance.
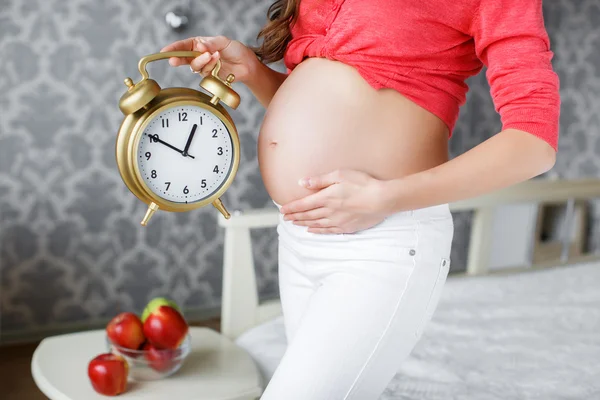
(344, 201)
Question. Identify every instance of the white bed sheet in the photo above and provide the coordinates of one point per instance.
(534, 335)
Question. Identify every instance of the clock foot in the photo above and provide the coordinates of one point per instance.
(219, 206)
(152, 208)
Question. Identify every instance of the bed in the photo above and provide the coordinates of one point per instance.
(530, 334)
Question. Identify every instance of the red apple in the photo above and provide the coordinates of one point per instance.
(155, 303)
(126, 330)
(165, 327)
(108, 374)
(160, 360)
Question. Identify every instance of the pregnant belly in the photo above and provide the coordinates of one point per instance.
(326, 117)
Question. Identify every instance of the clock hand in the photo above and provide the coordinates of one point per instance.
(155, 138)
(189, 141)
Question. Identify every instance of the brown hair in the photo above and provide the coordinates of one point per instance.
(276, 33)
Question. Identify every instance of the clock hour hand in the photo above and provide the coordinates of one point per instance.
(154, 138)
(189, 141)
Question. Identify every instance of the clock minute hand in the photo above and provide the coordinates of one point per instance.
(189, 141)
(155, 138)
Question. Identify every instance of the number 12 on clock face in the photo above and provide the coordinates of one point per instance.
(185, 154)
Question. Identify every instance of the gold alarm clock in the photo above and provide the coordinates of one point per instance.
(177, 148)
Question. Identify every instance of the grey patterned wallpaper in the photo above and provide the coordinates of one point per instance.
(72, 252)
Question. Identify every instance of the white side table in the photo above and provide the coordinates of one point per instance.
(216, 369)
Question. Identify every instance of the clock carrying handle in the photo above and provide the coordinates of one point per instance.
(168, 54)
(220, 88)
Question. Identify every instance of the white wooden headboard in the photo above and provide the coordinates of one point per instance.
(240, 309)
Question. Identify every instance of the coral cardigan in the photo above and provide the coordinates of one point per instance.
(426, 49)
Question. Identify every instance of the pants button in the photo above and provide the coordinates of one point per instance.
(412, 252)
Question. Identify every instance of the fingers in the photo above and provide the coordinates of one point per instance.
(321, 181)
(308, 215)
(181, 45)
(215, 43)
(199, 62)
(205, 63)
(189, 44)
(326, 231)
(199, 43)
(319, 223)
(207, 69)
(310, 202)
(209, 46)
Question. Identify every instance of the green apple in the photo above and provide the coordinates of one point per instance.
(157, 302)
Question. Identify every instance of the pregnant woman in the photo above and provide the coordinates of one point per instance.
(354, 152)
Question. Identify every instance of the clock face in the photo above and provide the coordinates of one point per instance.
(185, 154)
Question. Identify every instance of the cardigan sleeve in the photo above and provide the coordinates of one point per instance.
(512, 42)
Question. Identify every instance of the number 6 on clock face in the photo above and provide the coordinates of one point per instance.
(185, 154)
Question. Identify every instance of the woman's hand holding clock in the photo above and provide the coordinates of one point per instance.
(236, 58)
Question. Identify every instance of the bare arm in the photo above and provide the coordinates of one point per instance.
(346, 201)
(510, 157)
(511, 41)
(264, 82)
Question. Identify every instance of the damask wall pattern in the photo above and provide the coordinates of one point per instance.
(71, 247)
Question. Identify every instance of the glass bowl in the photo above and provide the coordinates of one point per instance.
(147, 365)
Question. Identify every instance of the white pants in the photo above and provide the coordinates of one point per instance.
(354, 305)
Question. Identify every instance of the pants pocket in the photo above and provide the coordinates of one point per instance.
(436, 293)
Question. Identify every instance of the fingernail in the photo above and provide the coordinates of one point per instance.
(303, 182)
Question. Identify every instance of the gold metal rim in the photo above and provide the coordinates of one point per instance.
(173, 97)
